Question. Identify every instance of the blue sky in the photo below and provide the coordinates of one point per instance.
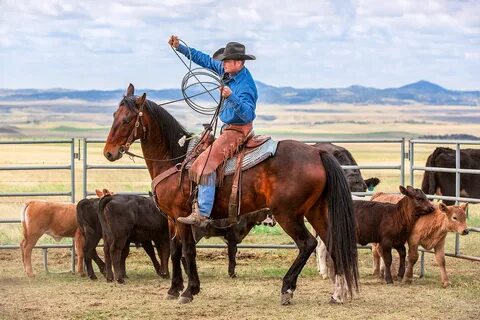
(107, 44)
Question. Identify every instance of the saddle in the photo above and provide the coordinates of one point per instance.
(237, 156)
(253, 150)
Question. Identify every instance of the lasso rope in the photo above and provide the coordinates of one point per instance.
(195, 73)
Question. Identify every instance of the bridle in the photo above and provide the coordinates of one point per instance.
(133, 135)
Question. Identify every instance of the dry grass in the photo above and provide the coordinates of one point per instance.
(253, 295)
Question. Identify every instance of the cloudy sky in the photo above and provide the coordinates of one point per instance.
(303, 43)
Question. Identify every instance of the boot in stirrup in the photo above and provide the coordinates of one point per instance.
(194, 218)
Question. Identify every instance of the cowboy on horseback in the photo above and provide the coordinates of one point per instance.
(240, 97)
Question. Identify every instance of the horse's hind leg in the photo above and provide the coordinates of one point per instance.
(295, 227)
(318, 220)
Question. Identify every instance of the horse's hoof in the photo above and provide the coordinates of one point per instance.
(335, 301)
(94, 277)
(184, 300)
(286, 298)
(172, 296)
(121, 281)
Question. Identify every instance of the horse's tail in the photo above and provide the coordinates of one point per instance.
(341, 236)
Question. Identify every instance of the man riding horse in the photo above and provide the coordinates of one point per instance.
(238, 112)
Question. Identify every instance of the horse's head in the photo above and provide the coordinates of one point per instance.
(128, 125)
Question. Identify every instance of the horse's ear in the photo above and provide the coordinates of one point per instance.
(130, 90)
(98, 193)
(141, 100)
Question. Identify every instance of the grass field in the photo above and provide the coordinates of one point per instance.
(255, 293)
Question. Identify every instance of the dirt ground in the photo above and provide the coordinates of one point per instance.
(254, 294)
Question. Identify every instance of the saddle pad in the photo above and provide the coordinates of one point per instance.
(251, 158)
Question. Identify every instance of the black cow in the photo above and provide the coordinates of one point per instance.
(131, 218)
(354, 177)
(89, 225)
(443, 183)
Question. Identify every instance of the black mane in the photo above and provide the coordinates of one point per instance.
(170, 128)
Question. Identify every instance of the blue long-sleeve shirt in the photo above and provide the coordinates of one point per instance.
(239, 107)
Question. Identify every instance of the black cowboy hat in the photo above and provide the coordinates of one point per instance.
(232, 51)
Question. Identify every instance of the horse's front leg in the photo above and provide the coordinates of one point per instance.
(189, 253)
(177, 277)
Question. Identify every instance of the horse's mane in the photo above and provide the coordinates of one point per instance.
(170, 128)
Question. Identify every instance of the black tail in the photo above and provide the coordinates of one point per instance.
(103, 202)
(429, 184)
(341, 237)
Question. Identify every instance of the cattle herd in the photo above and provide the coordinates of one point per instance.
(386, 221)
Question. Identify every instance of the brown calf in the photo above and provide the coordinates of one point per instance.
(58, 220)
(430, 232)
(390, 224)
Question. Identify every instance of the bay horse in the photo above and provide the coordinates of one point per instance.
(299, 182)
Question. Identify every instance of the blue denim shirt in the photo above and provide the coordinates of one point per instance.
(239, 107)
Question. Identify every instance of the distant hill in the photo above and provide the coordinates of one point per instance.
(422, 92)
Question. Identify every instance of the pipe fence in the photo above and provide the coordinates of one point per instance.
(88, 167)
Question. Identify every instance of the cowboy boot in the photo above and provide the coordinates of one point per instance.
(194, 218)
